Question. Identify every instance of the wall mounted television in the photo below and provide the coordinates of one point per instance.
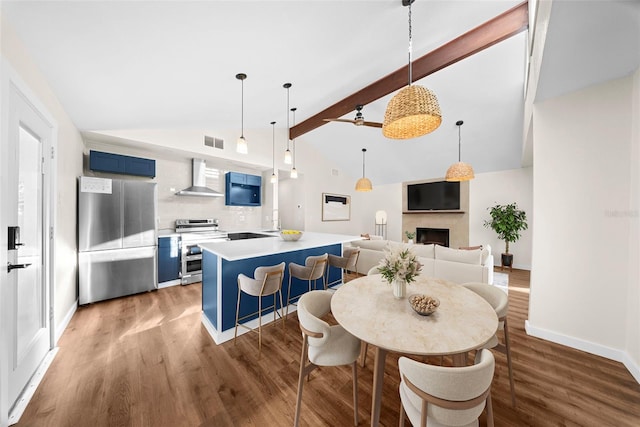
(433, 196)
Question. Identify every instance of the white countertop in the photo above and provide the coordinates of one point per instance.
(249, 248)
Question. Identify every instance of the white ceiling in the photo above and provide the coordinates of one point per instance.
(172, 65)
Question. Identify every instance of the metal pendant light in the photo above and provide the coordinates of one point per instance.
(363, 184)
(287, 153)
(414, 111)
(241, 143)
(459, 171)
(274, 177)
(294, 171)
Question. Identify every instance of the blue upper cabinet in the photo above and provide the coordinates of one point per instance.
(242, 189)
(117, 163)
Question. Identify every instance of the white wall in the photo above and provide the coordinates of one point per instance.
(580, 282)
(69, 165)
(502, 187)
(633, 296)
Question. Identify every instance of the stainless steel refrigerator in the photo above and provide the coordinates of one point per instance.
(117, 238)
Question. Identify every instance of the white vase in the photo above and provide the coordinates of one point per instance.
(399, 288)
(410, 241)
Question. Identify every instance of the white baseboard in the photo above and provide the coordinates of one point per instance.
(169, 283)
(65, 321)
(31, 387)
(587, 346)
(632, 366)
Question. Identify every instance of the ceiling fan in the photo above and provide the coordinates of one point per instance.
(358, 120)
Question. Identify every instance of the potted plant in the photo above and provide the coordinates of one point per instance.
(507, 221)
(410, 236)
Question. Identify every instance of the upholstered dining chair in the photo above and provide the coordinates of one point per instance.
(346, 262)
(324, 345)
(267, 281)
(313, 269)
(499, 300)
(446, 396)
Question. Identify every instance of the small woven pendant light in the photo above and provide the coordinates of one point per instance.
(413, 111)
(363, 184)
(460, 171)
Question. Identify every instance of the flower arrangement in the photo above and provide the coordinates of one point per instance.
(399, 263)
(410, 235)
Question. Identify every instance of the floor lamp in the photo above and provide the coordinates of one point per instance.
(381, 224)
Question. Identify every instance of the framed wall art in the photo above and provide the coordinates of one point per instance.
(336, 207)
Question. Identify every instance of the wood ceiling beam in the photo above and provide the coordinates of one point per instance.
(502, 27)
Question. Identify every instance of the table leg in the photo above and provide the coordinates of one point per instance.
(460, 359)
(378, 376)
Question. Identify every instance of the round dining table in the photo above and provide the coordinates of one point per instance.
(367, 309)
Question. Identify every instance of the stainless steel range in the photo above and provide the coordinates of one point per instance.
(192, 233)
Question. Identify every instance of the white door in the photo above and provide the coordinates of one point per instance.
(27, 276)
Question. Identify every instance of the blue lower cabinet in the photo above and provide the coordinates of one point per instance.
(225, 281)
(168, 258)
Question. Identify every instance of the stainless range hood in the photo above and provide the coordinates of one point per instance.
(198, 187)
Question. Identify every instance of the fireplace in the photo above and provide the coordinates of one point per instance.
(439, 236)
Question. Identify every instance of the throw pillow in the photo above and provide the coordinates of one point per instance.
(456, 255)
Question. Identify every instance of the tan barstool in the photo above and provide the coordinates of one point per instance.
(347, 262)
(267, 281)
(313, 269)
(499, 300)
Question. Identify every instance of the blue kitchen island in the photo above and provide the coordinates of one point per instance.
(223, 261)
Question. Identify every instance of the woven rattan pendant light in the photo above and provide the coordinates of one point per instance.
(460, 171)
(363, 184)
(413, 111)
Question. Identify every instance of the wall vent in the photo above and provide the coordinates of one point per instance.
(210, 141)
(335, 172)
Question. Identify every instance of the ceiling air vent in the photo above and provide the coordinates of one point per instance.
(210, 141)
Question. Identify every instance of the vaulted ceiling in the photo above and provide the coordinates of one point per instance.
(172, 65)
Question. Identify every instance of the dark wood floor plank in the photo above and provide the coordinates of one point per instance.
(146, 360)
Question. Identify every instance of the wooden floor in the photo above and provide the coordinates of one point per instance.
(146, 360)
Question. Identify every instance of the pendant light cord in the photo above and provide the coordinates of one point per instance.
(273, 145)
(288, 85)
(293, 142)
(242, 108)
(459, 123)
(363, 151)
(410, 47)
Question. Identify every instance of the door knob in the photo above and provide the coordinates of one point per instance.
(15, 266)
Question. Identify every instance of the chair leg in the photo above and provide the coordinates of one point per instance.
(288, 297)
(260, 326)
(489, 411)
(355, 393)
(296, 421)
(235, 334)
(281, 312)
(508, 351)
(363, 353)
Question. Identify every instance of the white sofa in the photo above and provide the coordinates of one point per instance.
(455, 265)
